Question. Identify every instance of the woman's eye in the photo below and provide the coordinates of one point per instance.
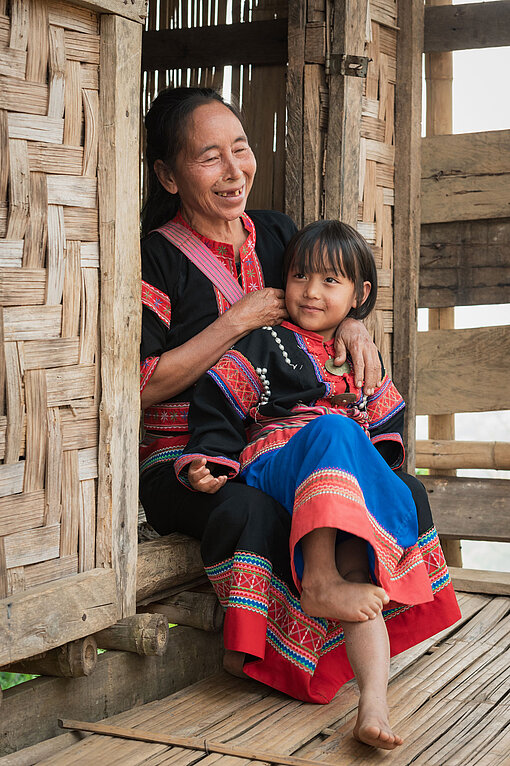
(211, 159)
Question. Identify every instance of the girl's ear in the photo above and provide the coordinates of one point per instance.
(165, 177)
(367, 286)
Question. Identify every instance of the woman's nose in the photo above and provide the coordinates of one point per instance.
(233, 168)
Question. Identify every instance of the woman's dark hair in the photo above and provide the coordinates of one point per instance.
(166, 123)
(324, 245)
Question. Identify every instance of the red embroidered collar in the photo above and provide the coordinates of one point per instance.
(224, 249)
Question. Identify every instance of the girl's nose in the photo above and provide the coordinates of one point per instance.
(311, 289)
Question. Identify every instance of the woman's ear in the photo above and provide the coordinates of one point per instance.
(165, 177)
(367, 286)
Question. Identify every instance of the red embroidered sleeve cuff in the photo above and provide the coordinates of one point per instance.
(147, 367)
(182, 463)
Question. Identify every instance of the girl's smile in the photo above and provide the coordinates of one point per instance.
(320, 300)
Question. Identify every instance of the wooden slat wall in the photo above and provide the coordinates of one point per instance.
(258, 89)
(49, 295)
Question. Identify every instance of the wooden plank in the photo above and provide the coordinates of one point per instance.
(59, 352)
(118, 179)
(115, 686)
(80, 429)
(465, 176)
(341, 182)
(53, 569)
(470, 509)
(480, 581)
(468, 26)
(484, 348)
(218, 46)
(441, 453)
(165, 562)
(464, 263)
(50, 615)
(406, 222)
(136, 10)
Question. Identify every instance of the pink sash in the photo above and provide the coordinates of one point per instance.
(203, 258)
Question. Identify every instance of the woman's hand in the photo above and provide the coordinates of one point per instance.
(262, 307)
(202, 480)
(352, 336)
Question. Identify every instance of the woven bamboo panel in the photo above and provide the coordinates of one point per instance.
(49, 295)
(258, 90)
(377, 163)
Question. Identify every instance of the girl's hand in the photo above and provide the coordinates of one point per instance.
(352, 336)
(262, 307)
(201, 479)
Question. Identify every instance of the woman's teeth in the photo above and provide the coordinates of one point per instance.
(236, 193)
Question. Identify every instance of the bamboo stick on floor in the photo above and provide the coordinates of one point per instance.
(189, 743)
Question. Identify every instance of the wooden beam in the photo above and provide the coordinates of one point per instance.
(122, 680)
(295, 112)
(341, 181)
(470, 509)
(136, 10)
(198, 610)
(47, 616)
(166, 562)
(466, 176)
(480, 581)
(464, 27)
(448, 359)
(407, 210)
(218, 46)
(462, 454)
(118, 186)
(73, 660)
(465, 263)
(145, 634)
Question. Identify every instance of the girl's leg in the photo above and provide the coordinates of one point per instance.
(326, 592)
(368, 651)
(367, 648)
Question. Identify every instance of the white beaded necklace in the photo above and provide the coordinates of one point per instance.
(262, 371)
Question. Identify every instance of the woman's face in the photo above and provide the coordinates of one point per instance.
(214, 171)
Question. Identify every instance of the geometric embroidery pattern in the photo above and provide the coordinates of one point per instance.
(238, 380)
(157, 301)
(384, 404)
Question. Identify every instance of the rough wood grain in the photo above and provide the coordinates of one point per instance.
(470, 509)
(480, 581)
(48, 615)
(479, 348)
(165, 562)
(437, 453)
(73, 660)
(465, 263)
(146, 634)
(468, 26)
(407, 211)
(120, 316)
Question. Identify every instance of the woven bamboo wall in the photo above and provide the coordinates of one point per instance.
(49, 259)
(258, 90)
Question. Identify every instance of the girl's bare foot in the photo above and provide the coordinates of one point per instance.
(339, 599)
(373, 726)
(233, 663)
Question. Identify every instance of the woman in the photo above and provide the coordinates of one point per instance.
(201, 170)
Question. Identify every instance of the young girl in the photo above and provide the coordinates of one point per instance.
(277, 412)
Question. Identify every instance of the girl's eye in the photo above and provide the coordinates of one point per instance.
(299, 275)
(332, 280)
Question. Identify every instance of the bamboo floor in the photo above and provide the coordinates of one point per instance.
(449, 700)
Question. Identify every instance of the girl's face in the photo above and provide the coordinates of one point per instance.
(319, 300)
(214, 171)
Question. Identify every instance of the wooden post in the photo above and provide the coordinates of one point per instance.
(118, 186)
(407, 210)
(145, 634)
(295, 85)
(439, 78)
(73, 660)
(344, 125)
(197, 610)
